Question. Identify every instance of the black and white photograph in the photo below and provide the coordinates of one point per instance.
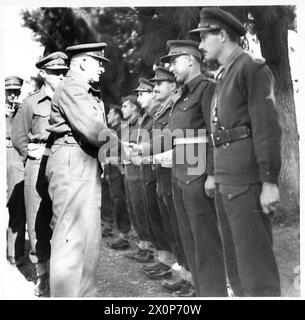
(152, 150)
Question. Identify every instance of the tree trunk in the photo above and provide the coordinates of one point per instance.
(272, 33)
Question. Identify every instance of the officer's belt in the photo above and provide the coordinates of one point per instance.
(190, 140)
(225, 136)
(65, 138)
(68, 139)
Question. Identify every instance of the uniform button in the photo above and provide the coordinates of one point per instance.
(230, 196)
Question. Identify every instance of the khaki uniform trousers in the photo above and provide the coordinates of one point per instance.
(75, 191)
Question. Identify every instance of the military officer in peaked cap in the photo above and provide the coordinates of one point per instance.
(159, 236)
(73, 172)
(247, 155)
(29, 137)
(166, 93)
(195, 210)
(15, 177)
(131, 110)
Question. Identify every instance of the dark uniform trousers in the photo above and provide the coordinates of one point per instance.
(135, 201)
(244, 97)
(75, 191)
(247, 239)
(168, 214)
(38, 209)
(106, 206)
(15, 204)
(200, 236)
(156, 230)
(118, 197)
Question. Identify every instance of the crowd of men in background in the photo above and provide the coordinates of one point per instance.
(211, 222)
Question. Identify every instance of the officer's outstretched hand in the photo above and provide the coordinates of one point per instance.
(209, 186)
(270, 197)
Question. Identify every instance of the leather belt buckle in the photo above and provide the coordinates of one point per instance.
(219, 138)
(225, 133)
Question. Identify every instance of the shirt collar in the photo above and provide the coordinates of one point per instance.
(168, 105)
(232, 57)
(78, 77)
(116, 127)
(131, 123)
(42, 95)
(193, 84)
(154, 110)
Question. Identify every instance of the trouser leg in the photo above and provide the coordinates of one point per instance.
(156, 230)
(15, 204)
(74, 188)
(200, 237)
(38, 212)
(136, 204)
(120, 212)
(106, 206)
(251, 234)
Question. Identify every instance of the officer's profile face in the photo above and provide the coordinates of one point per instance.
(180, 67)
(127, 109)
(52, 77)
(93, 68)
(112, 116)
(162, 90)
(12, 95)
(145, 98)
(210, 45)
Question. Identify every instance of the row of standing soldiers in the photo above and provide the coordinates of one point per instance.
(214, 218)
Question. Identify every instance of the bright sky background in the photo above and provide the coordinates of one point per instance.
(20, 50)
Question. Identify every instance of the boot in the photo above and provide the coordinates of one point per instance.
(42, 287)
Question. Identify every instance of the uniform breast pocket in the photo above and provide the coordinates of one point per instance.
(188, 105)
(40, 119)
